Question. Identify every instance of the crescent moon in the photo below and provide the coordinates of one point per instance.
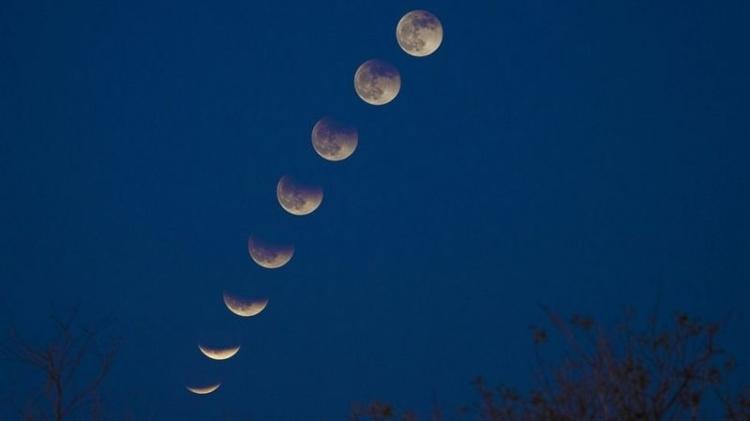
(419, 33)
(296, 198)
(269, 256)
(377, 82)
(219, 354)
(244, 308)
(203, 390)
(334, 140)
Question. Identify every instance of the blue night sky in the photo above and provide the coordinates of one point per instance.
(588, 156)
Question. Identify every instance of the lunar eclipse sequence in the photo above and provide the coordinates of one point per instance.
(419, 33)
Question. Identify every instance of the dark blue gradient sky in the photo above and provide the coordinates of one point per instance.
(587, 156)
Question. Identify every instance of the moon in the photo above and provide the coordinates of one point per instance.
(219, 354)
(203, 390)
(244, 308)
(419, 33)
(334, 140)
(296, 198)
(377, 82)
(269, 256)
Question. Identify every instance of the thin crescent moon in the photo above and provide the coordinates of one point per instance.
(244, 308)
(219, 354)
(205, 390)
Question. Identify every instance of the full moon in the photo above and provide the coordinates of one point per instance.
(334, 140)
(269, 256)
(203, 390)
(296, 198)
(244, 308)
(419, 33)
(377, 82)
(219, 354)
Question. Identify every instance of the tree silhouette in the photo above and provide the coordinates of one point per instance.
(74, 363)
(677, 372)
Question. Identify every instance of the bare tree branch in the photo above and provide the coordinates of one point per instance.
(652, 374)
(65, 362)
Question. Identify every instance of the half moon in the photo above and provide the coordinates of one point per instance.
(244, 308)
(377, 82)
(419, 33)
(203, 390)
(296, 198)
(219, 354)
(269, 256)
(334, 140)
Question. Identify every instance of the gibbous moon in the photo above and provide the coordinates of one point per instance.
(203, 390)
(269, 256)
(244, 308)
(334, 140)
(296, 198)
(377, 82)
(219, 354)
(419, 33)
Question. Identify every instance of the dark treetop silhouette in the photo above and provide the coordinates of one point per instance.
(678, 372)
(586, 155)
(74, 364)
